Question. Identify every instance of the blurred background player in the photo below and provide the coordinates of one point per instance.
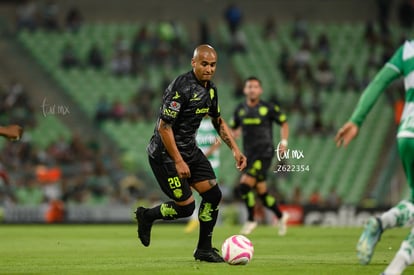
(178, 164)
(209, 143)
(255, 118)
(400, 64)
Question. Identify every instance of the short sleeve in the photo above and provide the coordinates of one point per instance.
(214, 110)
(173, 101)
(277, 115)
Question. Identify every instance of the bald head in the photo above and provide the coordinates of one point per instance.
(203, 50)
(204, 62)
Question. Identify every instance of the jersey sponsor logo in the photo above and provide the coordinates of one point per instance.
(177, 96)
(170, 113)
(252, 121)
(174, 105)
(202, 110)
(195, 97)
(263, 110)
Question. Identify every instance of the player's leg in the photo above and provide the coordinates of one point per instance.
(204, 182)
(270, 202)
(404, 256)
(247, 183)
(399, 215)
(182, 203)
(207, 216)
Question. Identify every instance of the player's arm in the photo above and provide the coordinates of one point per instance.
(167, 137)
(280, 118)
(284, 135)
(368, 98)
(224, 132)
(235, 125)
(13, 132)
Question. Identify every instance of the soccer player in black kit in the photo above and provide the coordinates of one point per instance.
(178, 163)
(255, 119)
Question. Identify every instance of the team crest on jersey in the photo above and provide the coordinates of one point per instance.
(174, 105)
(263, 110)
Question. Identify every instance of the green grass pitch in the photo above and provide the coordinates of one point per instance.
(115, 249)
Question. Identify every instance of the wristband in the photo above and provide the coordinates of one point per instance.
(284, 142)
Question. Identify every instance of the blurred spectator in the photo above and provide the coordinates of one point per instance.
(316, 104)
(300, 29)
(50, 14)
(406, 14)
(121, 44)
(142, 46)
(370, 34)
(144, 99)
(238, 88)
(233, 17)
(103, 110)
(238, 43)
(324, 76)
(333, 199)
(117, 111)
(100, 184)
(269, 28)
(297, 196)
(27, 15)
(323, 45)
(74, 19)
(95, 57)
(69, 57)
(303, 56)
(315, 198)
(121, 63)
(204, 31)
(317, 126)
(384, 7)
(351, 81)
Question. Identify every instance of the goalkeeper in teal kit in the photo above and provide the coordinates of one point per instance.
(401, 64)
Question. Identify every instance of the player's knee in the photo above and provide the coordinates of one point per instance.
(267, 200)
(213, 195)
(244, 189)
(186, 210)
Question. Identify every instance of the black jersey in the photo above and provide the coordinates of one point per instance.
(256, 123)
(185, 102)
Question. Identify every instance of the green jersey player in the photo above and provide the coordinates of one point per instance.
(400, 64)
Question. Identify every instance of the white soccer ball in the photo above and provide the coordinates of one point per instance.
(237, 250)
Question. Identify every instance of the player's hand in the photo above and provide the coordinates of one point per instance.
(12, 132)
(347, 133)
(182, 169)
(241, 160)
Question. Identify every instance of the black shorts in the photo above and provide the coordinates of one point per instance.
(179, 189)
(258, 167)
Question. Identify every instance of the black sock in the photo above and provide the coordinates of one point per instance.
(270, 202)
(247, 195)
(169, 211)
(207, 216)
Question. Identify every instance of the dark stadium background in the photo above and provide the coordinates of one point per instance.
(75, 164)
